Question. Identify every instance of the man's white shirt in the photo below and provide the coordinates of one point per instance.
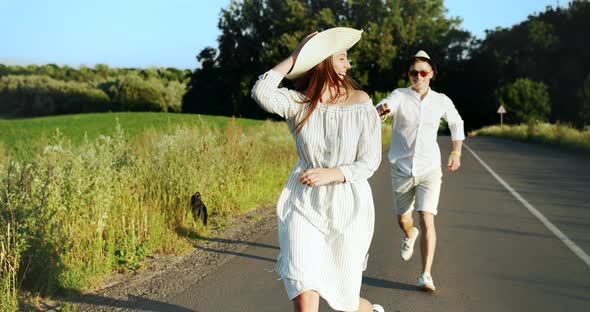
(415, 123)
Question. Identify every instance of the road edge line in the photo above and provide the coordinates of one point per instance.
(556, 231)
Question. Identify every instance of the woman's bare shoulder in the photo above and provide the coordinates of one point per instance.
(359, 96)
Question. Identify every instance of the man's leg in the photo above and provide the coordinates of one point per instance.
(403, 199)
(427, 195)
(406, 222)
(403, 205)
(428, 240)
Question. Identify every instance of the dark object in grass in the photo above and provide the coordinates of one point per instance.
(198, 208)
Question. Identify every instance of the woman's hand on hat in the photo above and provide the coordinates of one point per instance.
(320, 176)
(285, 66)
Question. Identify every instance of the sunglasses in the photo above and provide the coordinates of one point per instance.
(422, 73)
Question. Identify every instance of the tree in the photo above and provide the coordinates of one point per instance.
(206, 88)
(132, 93)
(41, 95)
(546, 47)
(172, 96)
(584, 98)
(102, 70)
(525, 100)
(257, 34)
(51, 89)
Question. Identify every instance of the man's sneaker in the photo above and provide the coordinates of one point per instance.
(408, 244)
(425, 282)
(378, 308)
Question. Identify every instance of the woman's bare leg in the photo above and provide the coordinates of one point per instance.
(307, 301)
(365, 306)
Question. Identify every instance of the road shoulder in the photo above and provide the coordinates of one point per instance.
(165, 276)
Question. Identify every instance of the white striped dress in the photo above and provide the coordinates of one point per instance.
(325, 231)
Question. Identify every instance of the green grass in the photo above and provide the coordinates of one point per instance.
(9, 266)
(26, 137)
(100, 196)
(558, 135)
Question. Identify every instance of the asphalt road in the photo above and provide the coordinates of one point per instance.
(493, 254)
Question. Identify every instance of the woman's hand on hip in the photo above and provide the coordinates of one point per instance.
(321, 176)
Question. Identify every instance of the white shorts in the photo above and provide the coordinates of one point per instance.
(421, 192)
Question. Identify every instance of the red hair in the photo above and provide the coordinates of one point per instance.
(313, 84)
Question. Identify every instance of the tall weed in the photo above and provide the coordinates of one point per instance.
(9, 267)
(552, 134)
(81, 212)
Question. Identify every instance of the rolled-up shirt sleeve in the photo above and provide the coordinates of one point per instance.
(275, 100)
(369, 150)
(454, 120)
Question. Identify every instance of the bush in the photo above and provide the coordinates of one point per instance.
(525, 101)
(552, 134)
(50, 90)
(40, 95)
(132, 93)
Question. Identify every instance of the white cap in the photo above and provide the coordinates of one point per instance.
(423, 54)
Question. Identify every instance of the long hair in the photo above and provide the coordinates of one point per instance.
(313, 84)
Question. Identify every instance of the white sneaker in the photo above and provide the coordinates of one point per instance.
(378, 308)
(408, 244)
(425, 282)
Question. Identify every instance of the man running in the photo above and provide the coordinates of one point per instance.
(415, 158)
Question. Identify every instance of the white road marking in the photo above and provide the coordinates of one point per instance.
(568, 242)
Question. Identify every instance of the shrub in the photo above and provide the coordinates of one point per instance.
(525, 101)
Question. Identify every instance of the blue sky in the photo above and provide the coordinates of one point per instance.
(136, 33)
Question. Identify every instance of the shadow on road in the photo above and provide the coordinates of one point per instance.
(377, 282)
(195, 236)
(239, 254)
(133, 302)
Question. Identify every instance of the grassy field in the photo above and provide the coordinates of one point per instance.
(557, 135)
(102, 195)
(26, 137)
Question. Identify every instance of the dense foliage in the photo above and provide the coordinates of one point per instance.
(546, 48)
(50, 90)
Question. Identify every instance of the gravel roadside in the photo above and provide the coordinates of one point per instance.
(166, 276)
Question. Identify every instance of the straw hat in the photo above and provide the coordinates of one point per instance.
(423, 54)
(323, 45)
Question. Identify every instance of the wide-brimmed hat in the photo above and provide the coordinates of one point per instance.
(321, 46)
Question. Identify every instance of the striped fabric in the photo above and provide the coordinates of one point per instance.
(325, 231)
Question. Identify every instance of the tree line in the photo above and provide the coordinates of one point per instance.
(50, 89)
(538, 69)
